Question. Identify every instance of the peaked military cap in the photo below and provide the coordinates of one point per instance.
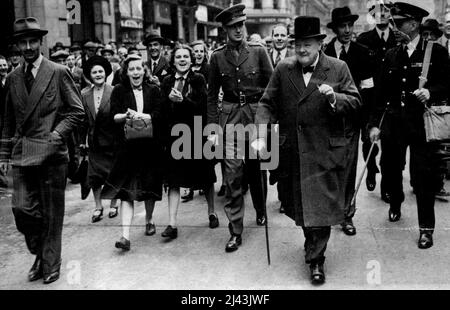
(402, 10)
(232, 15)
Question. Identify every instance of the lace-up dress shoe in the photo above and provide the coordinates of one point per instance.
(213, 221)
(123, 244)
(425, 240)
(317, 274)
(234, 243)
(170, 232)
(51, 277)
(150, 229)
(348, 228)
(371, 182)
(394, 214)
(261, 220)
(35, 272)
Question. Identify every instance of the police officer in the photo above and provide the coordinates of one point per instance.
(403, 124)
(243, 70)
(378, 40)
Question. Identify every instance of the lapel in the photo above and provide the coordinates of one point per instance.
(42, 80)
(161, 65)
(21, 90)
(296, 77)
(318, 76)
(417, 55)
(90, 102)
(229, 56)
(330, 50)
(187, 83)
(243, 55)
(132, 99)
(105, 98)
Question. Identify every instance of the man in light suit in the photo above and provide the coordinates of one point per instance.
(280, 44)
(43, 106)
(310, 95)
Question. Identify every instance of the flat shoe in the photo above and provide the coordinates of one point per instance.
(150, 229)
(113, 212)
(170, 232)
(123, 244)
(213, 221)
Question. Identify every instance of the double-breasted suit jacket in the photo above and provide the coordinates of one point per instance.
(313, 147)
(54, 104)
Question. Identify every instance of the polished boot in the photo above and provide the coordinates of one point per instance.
(348, 228)
(35, 272)
(51, 277)
(234, 243)
(261, 220)
(213, 221)
(425, 240)
(394, 213)
(123, 244)
(170, 232)
(150, 229)
(317, 274)
(371, 182)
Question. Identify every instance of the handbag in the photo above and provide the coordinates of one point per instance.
(138, 128)
(436, 118)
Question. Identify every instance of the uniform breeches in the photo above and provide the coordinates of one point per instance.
(38, 207)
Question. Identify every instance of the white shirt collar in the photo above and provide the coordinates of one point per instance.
(282, 53)
(314, 64)
(37, 63)
(386, 33)
(412, 46)
(177, 75)
(157, 60)
(338, 47)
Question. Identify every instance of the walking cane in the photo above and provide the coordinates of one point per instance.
(358, 184)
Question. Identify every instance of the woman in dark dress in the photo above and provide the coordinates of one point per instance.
(99, 131)
(184, 96)
(137, 171)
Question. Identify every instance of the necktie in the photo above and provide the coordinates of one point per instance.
(278, 58)
(180, 85)
(29, 78)
(308, 69)
(343, 55)
(382, 37)
(154, 67)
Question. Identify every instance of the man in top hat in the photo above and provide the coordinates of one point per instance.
(15, 57)
(310, 95)
(378, 40)
(43, 106)
(242, 70)
(280, 49)
(403, 124)
(357, 58)
(158, 65)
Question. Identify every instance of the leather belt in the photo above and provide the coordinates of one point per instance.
(241, 99)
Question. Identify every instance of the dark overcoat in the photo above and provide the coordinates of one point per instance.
(313, 147)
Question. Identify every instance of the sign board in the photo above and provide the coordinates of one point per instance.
(131, 23)
(267, 20)
(202, 13)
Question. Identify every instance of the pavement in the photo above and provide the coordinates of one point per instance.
(382, 255)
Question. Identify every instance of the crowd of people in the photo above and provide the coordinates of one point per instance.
(121, 109)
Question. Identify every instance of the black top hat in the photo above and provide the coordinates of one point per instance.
(432, 25)
(340, 15)
(232, 15)
(153, 36)
(27, 26)
(402, 10)
(96, 61)
(307, 27)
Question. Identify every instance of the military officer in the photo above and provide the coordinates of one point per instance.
(378, 40)
(242, 69)
(403, 124)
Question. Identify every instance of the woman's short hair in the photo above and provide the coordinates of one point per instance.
(205, 49)
(181, 47)
(126, 62)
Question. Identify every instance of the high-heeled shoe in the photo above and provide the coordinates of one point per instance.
(97, 215)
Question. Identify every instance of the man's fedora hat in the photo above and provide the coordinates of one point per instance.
(307, 27)
(28, 26)
(232, 15)
(60, 54)
(96, 61)
(341, 15)
(153, 36)
(107, 49)
(432, 25)
(402, 10)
